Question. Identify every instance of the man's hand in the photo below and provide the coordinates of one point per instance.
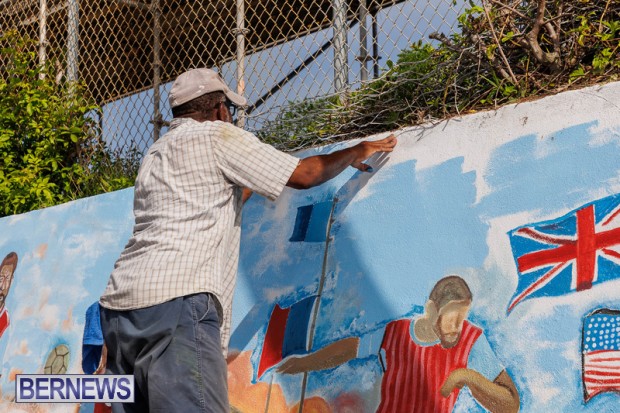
(366, 149)
(315, 170)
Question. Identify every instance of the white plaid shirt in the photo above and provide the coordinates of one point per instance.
(187, 207)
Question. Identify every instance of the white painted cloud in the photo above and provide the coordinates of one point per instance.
(545, 389)
(273, 295)
(607, 188)
(49, 317)
(13, 219)
(85, 246)
(279, 214)
(578, 303)
(523, 342)
(22, 349)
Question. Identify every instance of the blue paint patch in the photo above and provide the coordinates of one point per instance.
(311, 222)
(298, 327)
(319, 220)
(301, 223)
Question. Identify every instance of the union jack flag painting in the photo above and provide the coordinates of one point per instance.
(567, 254)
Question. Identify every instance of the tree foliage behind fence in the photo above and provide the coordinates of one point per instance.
(501, 52)
(51, 146)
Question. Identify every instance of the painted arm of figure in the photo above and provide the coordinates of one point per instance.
(500, 395)
(315, 170)
(328, 357)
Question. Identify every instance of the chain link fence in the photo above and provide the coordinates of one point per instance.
(285, 56)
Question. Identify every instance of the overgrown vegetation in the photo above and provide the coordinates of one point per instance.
(51, 148)
(504, 51)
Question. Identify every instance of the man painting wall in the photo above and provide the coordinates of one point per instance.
(167, 309)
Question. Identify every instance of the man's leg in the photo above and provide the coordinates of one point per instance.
(191, 375)
(122, 349)
(174, 352)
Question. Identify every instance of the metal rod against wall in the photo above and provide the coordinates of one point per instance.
(42, 33)
(240, 32)
(269, 394)
(363, 56)
(73, 23)
(341, 66)
(157, 118)
(319, 294)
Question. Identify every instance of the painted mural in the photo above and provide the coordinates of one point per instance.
(476, 269)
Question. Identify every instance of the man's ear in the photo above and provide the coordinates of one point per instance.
(222, 113)
(219, 115)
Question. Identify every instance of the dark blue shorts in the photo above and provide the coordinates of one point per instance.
(174, 352)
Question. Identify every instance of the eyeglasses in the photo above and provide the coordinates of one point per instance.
(231, 107)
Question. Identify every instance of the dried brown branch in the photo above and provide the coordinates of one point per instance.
(450, 45)
(600, 22)
(501, 50)
(507, 7)
(530, 40)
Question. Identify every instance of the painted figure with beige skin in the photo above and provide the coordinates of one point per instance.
(428, 359)
(7, 268)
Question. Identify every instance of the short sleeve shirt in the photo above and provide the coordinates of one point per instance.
(187, 207)
(481, 357)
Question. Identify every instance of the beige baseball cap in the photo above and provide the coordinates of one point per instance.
(197, 82)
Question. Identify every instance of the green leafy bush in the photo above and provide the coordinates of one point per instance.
(317, 127)
(51, 150)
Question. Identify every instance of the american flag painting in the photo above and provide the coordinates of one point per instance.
(601, 352)
(567, 254)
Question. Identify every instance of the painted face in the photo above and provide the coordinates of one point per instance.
(6, 276)
(449, 322)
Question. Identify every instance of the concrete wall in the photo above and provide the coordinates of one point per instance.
(520, 203)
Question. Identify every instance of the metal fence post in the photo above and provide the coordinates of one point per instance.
(363, 56)
(42, 32)
(73, 23)
(341, 66)
(157, 118)
(240, 32)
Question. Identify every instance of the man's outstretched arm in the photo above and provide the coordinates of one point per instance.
(498, 396)
(315, 170)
